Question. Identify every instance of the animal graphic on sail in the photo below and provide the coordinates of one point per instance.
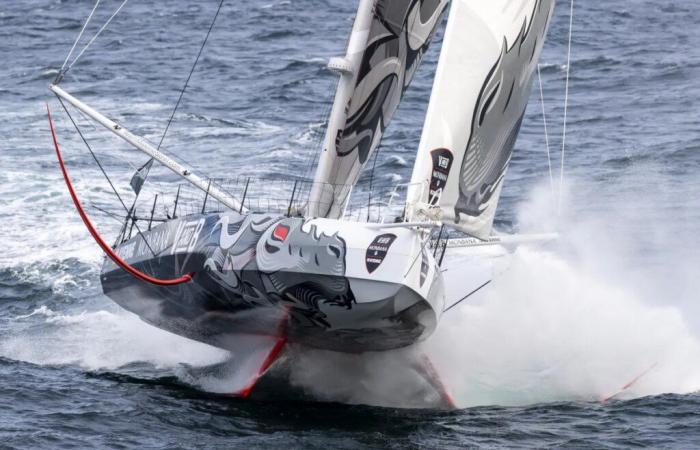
(399, 36)
(399, 33)
(498, 117)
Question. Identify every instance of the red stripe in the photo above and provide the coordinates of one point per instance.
(271, 357)
(106, 248)
(445, 394)
(630, 384)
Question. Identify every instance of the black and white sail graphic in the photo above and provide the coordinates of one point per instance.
(385, 49)
(482, 84)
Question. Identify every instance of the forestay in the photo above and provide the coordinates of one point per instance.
(385, 48)
(482, 85)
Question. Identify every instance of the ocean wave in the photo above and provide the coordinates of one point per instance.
(101, 339)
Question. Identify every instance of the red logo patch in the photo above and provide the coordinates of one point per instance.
(280, 232)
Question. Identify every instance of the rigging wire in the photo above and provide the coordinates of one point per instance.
(546, 134)
(109, 251)
(87, 120)
(319, 140)
(467, 296)
(99, 32)
(428, 238)
(566, 107)
(80, 133)
(109, 214)
(80, 35)
(177, 105)
(104, 172)
(184, 88)
(179, 99)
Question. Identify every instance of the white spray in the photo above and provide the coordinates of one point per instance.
(574, 323)
(565, 324)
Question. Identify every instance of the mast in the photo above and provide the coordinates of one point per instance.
(142, 144)
(348, 67)
(386, 46)
(481, 88)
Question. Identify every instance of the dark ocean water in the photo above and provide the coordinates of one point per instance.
(620, 295)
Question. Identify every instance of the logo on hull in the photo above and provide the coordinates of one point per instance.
(377, 250)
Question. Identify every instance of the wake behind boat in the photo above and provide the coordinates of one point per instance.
(253, 281)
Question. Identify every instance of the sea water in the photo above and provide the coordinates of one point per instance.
(612, 309)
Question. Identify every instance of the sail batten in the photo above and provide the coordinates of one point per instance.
(386, 46)
(481, 88)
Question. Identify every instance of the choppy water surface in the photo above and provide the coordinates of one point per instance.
(529, 358)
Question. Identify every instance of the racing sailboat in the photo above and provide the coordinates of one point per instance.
(256, 281)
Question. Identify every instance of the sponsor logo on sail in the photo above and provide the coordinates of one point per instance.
(442, 163)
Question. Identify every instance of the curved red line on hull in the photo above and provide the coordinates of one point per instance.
(103, 245)
(271, 357)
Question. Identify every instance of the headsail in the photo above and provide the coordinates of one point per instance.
(386, 46)
(482, 85)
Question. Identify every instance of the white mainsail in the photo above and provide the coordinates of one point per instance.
(482, 84)
(385, 48)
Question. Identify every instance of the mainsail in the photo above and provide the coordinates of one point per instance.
(385, 48)
(482, 84)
